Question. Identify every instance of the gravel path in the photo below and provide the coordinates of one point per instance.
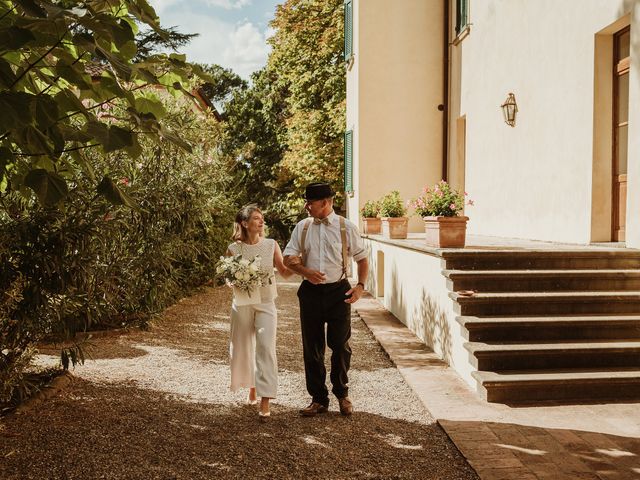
(156, 405)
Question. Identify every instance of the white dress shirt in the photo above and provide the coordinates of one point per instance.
(323, 246)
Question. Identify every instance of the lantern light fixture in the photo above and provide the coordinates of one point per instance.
(509, 110)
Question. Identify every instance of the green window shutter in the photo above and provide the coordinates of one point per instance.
(462, 14)
(348, 29)
(348, 161)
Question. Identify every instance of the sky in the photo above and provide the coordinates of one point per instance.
(232, 32)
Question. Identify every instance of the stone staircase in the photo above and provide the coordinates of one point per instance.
(550, 325)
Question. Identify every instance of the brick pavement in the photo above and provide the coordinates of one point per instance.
(599, 441)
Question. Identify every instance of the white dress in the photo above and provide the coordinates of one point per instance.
(252, 346)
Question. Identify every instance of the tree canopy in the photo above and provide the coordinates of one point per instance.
(286, 129)
(61, 64)
(307, 59)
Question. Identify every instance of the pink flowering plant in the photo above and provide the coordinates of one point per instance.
(440, 201)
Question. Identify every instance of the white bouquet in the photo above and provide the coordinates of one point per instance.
(241, 273)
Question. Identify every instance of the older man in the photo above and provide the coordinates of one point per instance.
(319, 250)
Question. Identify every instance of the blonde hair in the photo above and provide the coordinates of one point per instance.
(244, 215)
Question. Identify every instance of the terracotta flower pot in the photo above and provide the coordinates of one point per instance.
(395, 227)
(371, 225)
(445, 232)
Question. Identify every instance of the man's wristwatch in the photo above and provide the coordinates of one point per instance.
(361, 284)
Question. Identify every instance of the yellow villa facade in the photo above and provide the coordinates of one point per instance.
(426, 81)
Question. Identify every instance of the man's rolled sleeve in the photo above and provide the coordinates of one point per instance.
(356, 244)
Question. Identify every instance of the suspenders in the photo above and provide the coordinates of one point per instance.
(343, 238)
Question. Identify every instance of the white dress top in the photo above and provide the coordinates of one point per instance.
(265, 248)
(323, 246)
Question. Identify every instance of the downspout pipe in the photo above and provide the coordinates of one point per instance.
(445, 92)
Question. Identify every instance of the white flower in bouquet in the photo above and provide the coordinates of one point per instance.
(240, 272)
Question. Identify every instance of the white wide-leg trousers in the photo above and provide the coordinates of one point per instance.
(252, 349)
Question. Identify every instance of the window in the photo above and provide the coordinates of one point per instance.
(462, 15)
(348, 161)
(348, 29)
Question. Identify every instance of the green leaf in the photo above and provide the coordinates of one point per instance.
(68, 102)
(16, 110)
(135, 150)
(7, 77)
(74, 75)
(108, 189)
(149, 104)
(99, 131)
(73, 134)
(54, 133)
(35, 142)
(122, 34)
(85, 41)
(118, 138)
(32, 8)
(128, 49)
(122, 68)
(48, 186)
(169, 78)
(47, 112)
(145, 12)
(14, 38)
(147, 75)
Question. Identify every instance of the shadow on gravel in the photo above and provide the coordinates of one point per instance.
(123, 432)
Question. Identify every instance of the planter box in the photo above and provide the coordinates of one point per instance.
(371, 226)
(445, 232)
(395, 227)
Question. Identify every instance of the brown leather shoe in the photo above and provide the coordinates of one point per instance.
(346, 407)
(313, 409)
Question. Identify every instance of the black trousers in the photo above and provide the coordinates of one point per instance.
(320, 305)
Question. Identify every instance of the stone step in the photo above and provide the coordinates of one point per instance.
(559, 385)
(541, 259)
(543, 280)
(536, 356)
(549, 328)
(549, 303)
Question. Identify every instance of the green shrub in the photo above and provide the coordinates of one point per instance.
(391, 205)
(91, 265)
(370, 209)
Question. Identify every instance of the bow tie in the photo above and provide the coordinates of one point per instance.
(325, 221)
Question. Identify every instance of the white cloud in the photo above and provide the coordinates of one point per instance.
(242, 47)
(160, 6)
(248, 50)
(238, 45)
(228, 4)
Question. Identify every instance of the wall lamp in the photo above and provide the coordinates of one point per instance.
(509, 110)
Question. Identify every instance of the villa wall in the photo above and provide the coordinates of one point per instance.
(549, 178)
(409, 283)
(394, 88)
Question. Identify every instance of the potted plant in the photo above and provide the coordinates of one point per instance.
(441, 209)
(370, 217)
(395, 223)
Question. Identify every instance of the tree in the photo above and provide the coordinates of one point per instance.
(53, 108)
(307, 62)
(223, 83)
(150, 42)
(255, 138)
